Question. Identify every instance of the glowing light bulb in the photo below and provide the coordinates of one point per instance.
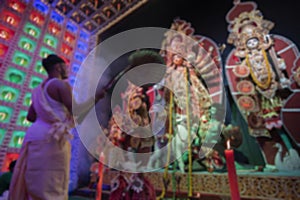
(53, 30)
(68, 39)
(25, 122)
(22, 61)
(32, 32)
(20, 141)
(27, 46)
(3, 115)
(36, 19)
(10, 20)
(8, 96)
(16, 6)
(50, 42)
(41, 69)
(4, 34)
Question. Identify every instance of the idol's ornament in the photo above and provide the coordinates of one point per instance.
(259, 71)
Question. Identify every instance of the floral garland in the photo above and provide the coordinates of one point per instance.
(190, 189)
(170, 130)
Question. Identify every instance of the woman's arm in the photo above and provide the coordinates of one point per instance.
(82, 109)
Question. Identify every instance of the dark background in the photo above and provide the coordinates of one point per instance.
(208, 17)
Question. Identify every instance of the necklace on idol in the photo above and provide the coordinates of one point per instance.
(257, 82)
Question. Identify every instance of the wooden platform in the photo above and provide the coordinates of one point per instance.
(252, 185)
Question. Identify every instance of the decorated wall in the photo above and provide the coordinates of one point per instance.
(29, 31)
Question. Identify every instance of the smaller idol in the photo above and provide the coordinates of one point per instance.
(258, 71)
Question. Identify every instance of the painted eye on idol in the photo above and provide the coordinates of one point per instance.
(252, 43)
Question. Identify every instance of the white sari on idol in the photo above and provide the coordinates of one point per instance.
(42, 169)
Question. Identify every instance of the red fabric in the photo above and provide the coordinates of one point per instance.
(148, 192)
(119, 193)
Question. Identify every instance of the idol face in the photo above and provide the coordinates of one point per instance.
(252, 43)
